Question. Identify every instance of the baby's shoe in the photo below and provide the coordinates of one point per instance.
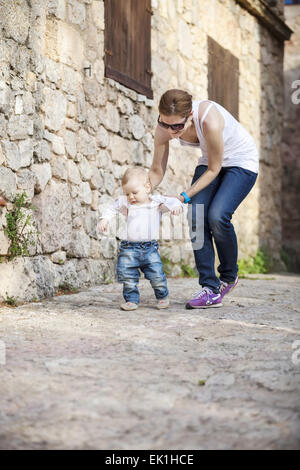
(129, 306)
(163, 303)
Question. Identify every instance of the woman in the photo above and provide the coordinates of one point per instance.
(226, 172)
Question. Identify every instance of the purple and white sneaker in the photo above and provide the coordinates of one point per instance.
(225, 288)
(205, 298)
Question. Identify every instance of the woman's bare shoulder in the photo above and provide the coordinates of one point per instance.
(213, 117)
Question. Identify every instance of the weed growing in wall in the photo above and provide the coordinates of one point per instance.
(18, 223)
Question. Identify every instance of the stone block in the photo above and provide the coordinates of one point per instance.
(76, 13)
(4, 244)
(136, 126)
(2, 127)
(25, 182)
(70, 47)
(98, 14)
(55, 108)
(70, 140)
(41, 151)
(42, 172)
(27, 278)
(120, 149)
(54, 208)
(11, 154)
(97, 179)
(109, 183)
(15, 20)
(26, 152)
(108, 247)
(59, 257)
(102, 137)
(95, 200)
(110, 118)
(20, 127)
(73, 172)
(59, 167)
(86, 144)
(57, 8)
(103, 160)
(85, 170)
(85, 193)
(80, 246)
(7, 183)
(58, 145)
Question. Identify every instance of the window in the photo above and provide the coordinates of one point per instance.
(223, 77)
(128, 43)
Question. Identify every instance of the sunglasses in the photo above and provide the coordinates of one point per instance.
(174, 127)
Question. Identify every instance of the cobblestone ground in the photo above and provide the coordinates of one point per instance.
(81, 374)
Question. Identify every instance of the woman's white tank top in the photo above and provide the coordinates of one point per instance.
(239, 147)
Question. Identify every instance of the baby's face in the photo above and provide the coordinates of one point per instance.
(137, 192)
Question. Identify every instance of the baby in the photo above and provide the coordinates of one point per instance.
(140, 249)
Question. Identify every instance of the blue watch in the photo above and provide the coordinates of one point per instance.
(186, 198)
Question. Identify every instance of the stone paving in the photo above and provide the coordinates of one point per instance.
(78, 373)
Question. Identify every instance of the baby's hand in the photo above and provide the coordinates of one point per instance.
(124, 210)
(102, 226)
(176, 210)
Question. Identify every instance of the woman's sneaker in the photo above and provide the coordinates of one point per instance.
(163, 303)
(129, 306)
(204, 299)
(225, 287)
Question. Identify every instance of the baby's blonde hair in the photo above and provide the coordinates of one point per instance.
(135, 172)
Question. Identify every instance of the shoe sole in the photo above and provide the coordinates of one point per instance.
(161, 307)
(190, 307)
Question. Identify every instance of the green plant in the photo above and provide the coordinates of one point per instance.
(107, 279)
(68, 289)
(201, 382)
(17, 221)
(188, 271)
(167, 265)
(12, 301)
(258, 264)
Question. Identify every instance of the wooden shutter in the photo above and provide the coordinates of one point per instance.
(223, 77)
(128, 43)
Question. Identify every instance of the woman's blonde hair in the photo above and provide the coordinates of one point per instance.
(176, 102)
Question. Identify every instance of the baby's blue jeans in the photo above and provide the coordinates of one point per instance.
(144, 256)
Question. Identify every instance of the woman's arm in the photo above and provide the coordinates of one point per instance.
(213, 133)
(160, 159)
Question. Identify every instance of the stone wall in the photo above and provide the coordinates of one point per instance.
(291, 142)
(67, 136)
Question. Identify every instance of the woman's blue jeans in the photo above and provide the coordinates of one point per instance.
(219, 199)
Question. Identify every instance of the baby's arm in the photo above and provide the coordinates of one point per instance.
(109, 212)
